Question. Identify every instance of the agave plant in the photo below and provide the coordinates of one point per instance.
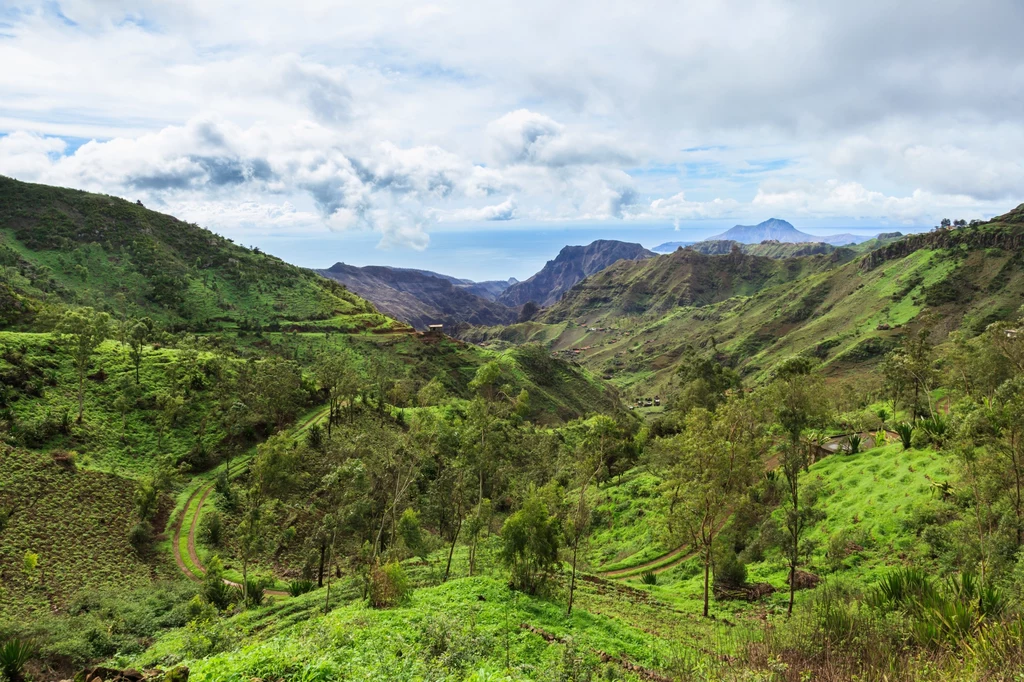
(299, 587)
(854, 443)
(906, 432)
(254, 591)
(936, 426)
(14, 654)
(649, 578)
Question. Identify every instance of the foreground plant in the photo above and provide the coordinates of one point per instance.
(14, 654)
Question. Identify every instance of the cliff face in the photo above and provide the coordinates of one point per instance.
(572, 264)
(1003, 232)
(420, 298)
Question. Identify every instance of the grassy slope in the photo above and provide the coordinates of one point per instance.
(870, 497)
(77, 522)
(845, 314)
(90, 249)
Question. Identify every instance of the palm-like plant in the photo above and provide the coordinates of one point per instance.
(14, 654)
(299, 587)
(906, 433)
(649, 578)
(854, 444)
(936, 426)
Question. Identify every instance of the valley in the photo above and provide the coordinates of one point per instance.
(217, 465)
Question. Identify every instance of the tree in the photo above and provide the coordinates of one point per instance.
(711, 464)
(601, 435)
(797, 398)
(909, 374)
(138, 337)
(530, 544)
(270, 473)
(337, 375)
(431, 393)
(1007, 417)
(81, 331)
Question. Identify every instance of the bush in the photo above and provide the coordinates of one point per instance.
(389, 585)
(649, 578)
(211, 528)
(854, 444)
(530, 544)
(140, 535)
(729, 570)
(253, 594)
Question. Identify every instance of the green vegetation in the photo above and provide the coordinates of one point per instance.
(297, 488)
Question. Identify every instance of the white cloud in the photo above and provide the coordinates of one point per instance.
(389, 117)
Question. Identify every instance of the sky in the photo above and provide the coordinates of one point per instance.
(477, 138)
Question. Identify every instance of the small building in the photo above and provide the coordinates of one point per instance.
(435, 330)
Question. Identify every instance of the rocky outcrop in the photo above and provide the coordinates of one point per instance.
(1003, 234)
(573, 264)
(421, 298)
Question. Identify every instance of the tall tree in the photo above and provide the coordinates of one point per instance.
(337, 376)
(1007, 441)
(797, 397)
(601, 435)
(138, 336)
(711, 463)
(272, 470)
(81, 331)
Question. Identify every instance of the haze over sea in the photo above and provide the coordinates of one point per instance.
(495, 253)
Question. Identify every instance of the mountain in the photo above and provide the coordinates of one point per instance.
(636, 321)
(63, 246)
(669, 247)
(772, 229)
(490, 289)
(420, 297)
(572, 264)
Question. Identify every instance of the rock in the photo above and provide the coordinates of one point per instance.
(178, 674)
(806, 581)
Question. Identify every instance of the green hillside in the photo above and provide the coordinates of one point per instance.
(77, 248)
(293, 487)
(634, 322)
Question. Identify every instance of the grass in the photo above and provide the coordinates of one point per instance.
(77, 522)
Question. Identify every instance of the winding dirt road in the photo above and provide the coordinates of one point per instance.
(193, 515)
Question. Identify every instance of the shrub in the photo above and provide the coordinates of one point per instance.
(936, 426)
(649, 578)
(218, 593)
(389, 585)
(211, 528)
(140, 535)
(906, 434)
(729, 570)
(299, 587)
(410, 533)
(315, 438)
(14, 654)
(530, 544)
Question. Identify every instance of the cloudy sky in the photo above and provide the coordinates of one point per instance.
(391, 126)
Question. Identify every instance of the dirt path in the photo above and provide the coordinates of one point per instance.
(193, 522)
(682, 553)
